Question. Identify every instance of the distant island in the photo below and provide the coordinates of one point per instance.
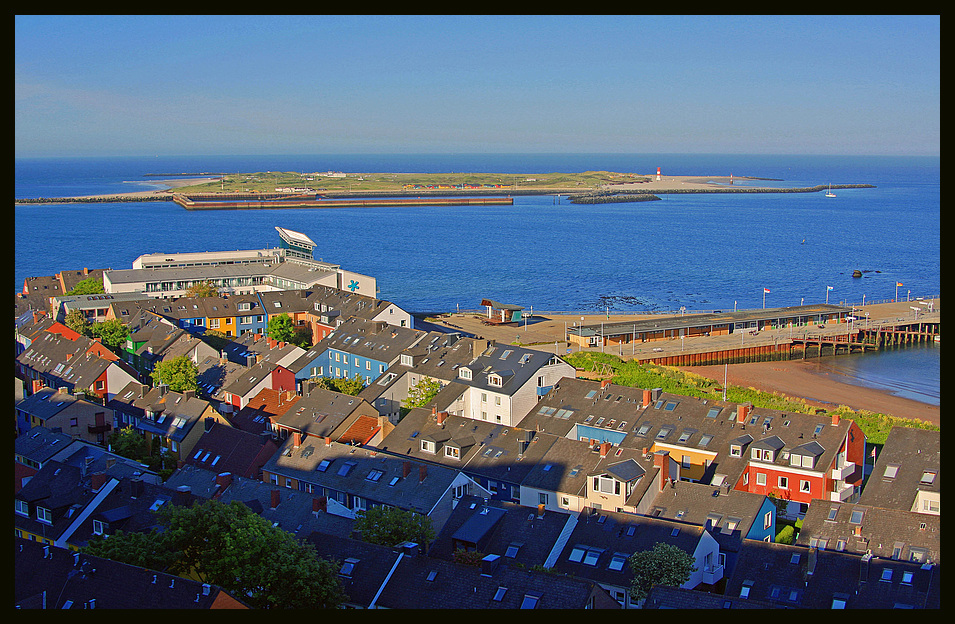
(586, 187)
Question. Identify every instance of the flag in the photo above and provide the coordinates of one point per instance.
(898, 283)
(765, 290)
(828, 287)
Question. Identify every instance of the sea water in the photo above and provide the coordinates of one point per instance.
(694, 251)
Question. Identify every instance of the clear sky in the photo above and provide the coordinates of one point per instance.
(197, 85)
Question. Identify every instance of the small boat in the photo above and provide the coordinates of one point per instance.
(829, 193)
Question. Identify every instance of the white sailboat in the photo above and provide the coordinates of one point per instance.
(829, 193)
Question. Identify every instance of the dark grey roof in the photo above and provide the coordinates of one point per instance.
(58, 578)
(908, 464)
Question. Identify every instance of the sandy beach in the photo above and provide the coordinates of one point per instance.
(797, 378)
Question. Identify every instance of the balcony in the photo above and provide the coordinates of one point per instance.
(840, 474)
(841, 494)
(712, 574)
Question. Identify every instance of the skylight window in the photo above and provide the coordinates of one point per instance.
(499, 594)
(928, 477)
(712, 413)
(577, 554)
(856, 517)
(374, 475)
(323, 465)
(891, 471)
(512, 549)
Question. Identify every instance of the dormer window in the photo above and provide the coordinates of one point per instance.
(428, 446)
(736, 450)
(44, 515)
(452, 451)
(406, 360)
(464, 373)
(494, 379)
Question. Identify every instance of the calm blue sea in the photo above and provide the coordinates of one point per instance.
(703, 252)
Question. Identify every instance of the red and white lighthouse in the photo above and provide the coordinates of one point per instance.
(658, 174)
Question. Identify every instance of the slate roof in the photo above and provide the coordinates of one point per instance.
(516, 533)
(176, 413)
(58, 578)
(294, 511)
(349, 468)
(265, 405)
(374, 340)
(58, 488)
(677, 420)
(887, 533)
(364, 567)
(227, 449)
(487, 449)
(602, 535)
(794, 576)
(323, 411)
(457, 586)
(909, 462)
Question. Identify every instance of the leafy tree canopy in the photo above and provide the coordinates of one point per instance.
(179, 373)
(422, 393)
(129, 443)
(76, 321)
(390, 526)
(230, 546)
(202, 289)
(113, 333)
(663, 565)
(281, 328)
(89, 286)
(339, 384)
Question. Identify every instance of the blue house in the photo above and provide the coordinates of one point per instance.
(362, 347)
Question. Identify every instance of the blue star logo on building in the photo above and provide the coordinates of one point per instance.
(353, 286)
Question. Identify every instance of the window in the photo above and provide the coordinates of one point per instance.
(512, 549)
(577, 554)
(593, 554)
(427, 446)
(928, 477)
(783, 483)
(886, 574)
(499, 594)
(736, 450)
(705, 439)
(530, 601)
(606, 485)
(891, 471)
(323, 465)
(97, 527)
(832, 514)
(374, 475)
(44, 515)
(856, 517)
(760, 478)
(617, 561)
(767, 520)
(805, 486)
(464, 373)
(452, 452)
(346, 468)
(22, 508)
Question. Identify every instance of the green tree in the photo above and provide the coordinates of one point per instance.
(389, 526)
(664, 565)
(340, 384)
(129, 443)
(281, 328)
(202, 289)
(89, 286)
(230, 546)
(77, 321)
(112, 333)
(179, 373)
(422, 393)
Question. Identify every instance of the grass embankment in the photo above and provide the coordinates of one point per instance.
(268, 181)
(628, 373)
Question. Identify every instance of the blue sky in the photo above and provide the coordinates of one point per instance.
(196, 85)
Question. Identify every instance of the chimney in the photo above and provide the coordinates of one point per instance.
(224, 480)
(422, 472)
(98, 480)
(405, 469)
(858, 531)
(274, 501)
(604, 383)
(442, 416)
(136, 488)
(605, 448)
(540, 510)
(328, 441)
(742, 412)
(646, 398)
(182, 495)
(661, 459)
(835, 420)
(296, 439)
(319, 504)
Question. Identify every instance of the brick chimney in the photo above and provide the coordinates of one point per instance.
(405, 469)
(296, 439)
(442, 416)
(661, 459)
(328, 441)
(97, 480)
(605, 448)
(422, 472)
(835, 420)
(604, 383)
(275, 499)
(742, 412)
(646, 398)
(540, 510)
(224, 480)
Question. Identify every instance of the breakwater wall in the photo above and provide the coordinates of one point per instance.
(601, 197)
(258, 203)
(111, 199)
